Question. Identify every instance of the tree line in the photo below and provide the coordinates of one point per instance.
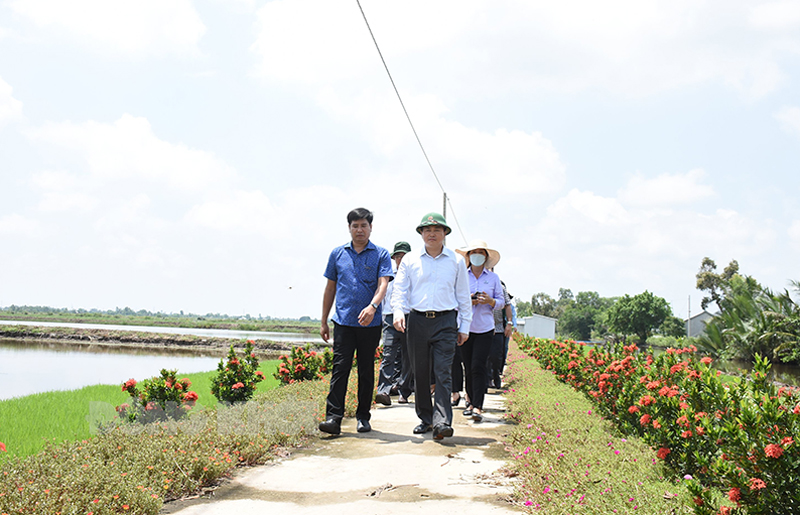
(751, 320)
(588, 316)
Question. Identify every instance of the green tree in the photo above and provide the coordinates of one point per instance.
(638, 315)
(543, 304)
(581, 314)
(673, 326)
(755, 321)
(719, 286)
(524, 309)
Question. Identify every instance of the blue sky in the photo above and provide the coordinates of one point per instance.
(202, 156)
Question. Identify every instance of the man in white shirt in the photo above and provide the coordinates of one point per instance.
(432, 286)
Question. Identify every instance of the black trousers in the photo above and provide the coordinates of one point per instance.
(347, 341)
(432, 343)
(458, 371)
(496, 360)
(475, 352)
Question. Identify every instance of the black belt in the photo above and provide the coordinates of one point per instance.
(432, 314)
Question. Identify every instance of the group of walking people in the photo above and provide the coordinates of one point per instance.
(438, 313)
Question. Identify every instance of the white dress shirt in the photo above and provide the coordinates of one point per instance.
(425, 283)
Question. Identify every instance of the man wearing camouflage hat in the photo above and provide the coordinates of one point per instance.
(432, 286)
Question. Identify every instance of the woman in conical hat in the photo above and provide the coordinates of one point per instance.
(487, 296)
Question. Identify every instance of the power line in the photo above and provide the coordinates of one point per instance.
(386, 67)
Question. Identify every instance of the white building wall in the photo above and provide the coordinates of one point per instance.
(537, 326)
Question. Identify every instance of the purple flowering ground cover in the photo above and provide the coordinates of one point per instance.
(570, 460)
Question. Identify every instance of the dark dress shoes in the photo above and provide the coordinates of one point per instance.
(455, 402)
(442, 431)
(363, 426)
(468, 410)
(383, 398)
(331, 426)
(422, 428)
(402, 400)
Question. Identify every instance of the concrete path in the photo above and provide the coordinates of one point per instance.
(387, 471)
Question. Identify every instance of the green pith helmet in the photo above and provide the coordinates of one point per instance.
(433, 219)
(401, 246)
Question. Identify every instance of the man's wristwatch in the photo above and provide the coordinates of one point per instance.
(375, 306)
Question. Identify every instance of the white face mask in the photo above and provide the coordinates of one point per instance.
(477, 259)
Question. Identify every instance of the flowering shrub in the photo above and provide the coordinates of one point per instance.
(235, 381)
(304, 364)
(135, 470)
(739, 440)
(157, 398)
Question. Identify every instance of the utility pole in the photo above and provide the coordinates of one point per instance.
(689, 319)
(444, 206)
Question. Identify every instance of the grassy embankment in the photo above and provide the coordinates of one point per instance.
(571, 461)
(28, 423)
(292, 326)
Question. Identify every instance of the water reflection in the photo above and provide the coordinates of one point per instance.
(780, 373)
(30, 366)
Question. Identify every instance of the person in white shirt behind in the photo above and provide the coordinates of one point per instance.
(395, 372)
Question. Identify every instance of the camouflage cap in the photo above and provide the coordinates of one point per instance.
(433, 219)
(401, 246)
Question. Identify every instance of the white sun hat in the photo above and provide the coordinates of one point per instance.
(491, 260)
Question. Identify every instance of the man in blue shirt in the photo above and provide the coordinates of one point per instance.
(358, 273)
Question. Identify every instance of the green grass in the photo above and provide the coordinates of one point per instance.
(136, 468)
(28, 423)
(569, 460)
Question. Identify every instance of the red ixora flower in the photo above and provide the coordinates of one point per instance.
(633, 409)
(3, 447)
(787, 441)
(734, 494)
(237, 386)
(773, 451)
(644, 419)
(130, 383)
(706, 360)
(662, 453)
(757, 484)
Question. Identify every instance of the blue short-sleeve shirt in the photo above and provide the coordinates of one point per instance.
(356, 276)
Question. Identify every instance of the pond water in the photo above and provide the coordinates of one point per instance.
(31, 366)
(780, 373)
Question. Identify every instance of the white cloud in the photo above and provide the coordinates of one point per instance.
(589, 242)
(622, 46)
(238, 210)
(776, 15)
(62, 191)
(789, 117)
(115, 26)
(10, 107)
(666, 190)
(794, 234)
(15, 224)
(128, 149)
(466, 159)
